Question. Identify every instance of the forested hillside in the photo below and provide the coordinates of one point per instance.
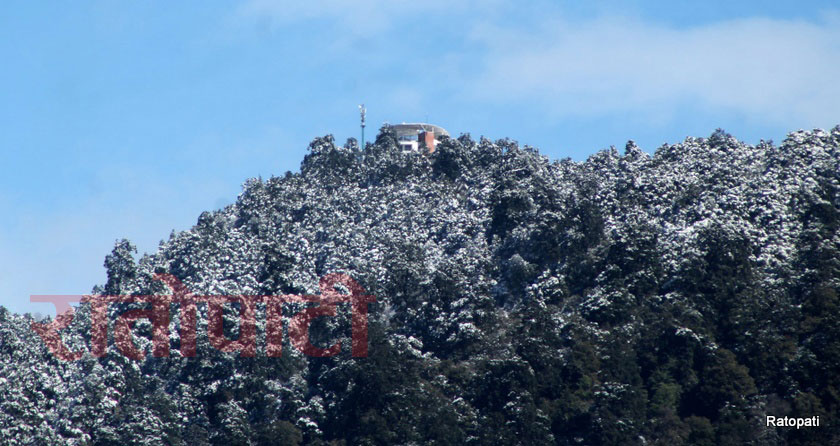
(631, 299)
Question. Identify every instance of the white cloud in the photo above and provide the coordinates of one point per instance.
(770, 70)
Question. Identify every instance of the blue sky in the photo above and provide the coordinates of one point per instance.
(123, 119)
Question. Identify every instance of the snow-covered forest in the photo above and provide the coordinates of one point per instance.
(631, 299)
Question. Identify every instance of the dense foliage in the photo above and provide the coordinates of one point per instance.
(630, 299)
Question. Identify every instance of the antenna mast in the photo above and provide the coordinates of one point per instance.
(363, 110)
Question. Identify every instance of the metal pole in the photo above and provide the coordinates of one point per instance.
(363, 110)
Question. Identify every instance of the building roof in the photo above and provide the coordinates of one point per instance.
(411, 129)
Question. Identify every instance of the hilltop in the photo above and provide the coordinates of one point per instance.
(672, 298)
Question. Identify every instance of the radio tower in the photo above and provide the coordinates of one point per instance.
(363, 110)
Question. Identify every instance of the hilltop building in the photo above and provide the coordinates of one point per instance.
(411, 135)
